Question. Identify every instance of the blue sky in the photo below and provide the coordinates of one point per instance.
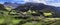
(47, 2)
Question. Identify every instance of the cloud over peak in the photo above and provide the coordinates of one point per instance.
(47, 2)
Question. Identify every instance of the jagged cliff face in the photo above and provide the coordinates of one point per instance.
(39, 7)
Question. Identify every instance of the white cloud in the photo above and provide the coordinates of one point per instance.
(55, 4)
(48, 2)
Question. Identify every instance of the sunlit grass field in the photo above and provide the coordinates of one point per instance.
(8, 19)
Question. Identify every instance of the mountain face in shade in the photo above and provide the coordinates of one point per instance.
(31, 6)
(2, 7)
(38, 6)
(34, 6)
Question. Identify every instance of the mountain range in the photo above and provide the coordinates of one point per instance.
(36, 6)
